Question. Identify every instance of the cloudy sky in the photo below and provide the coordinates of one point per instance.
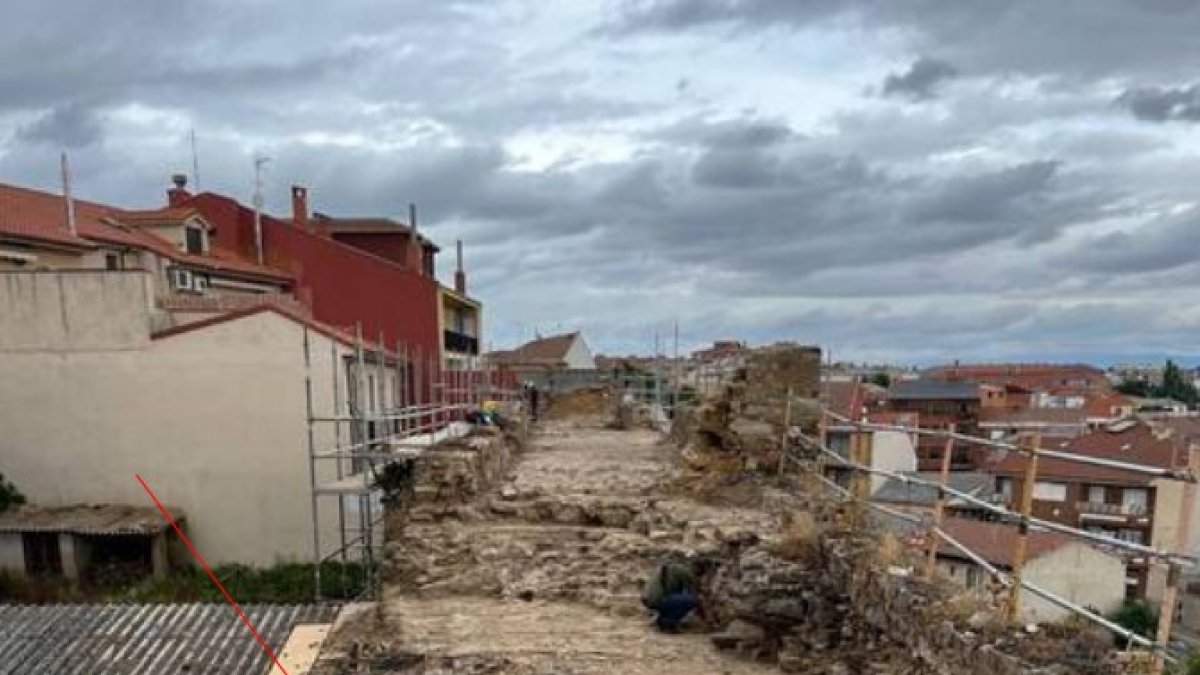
(910, 180)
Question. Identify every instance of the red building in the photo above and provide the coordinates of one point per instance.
(1030, 377)
(344, 283)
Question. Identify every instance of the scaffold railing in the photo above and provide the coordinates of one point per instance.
(1023, 519)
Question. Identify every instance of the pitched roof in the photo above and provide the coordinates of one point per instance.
(1131, 442)
(551, 350)
(332, 332)
(933, 390)
(41, 217)
(896, 491)
(369, 225)
(184, 638)
(99, 519)
(845, 398)
(994, 541)
(1030, 376)
(1104, 405)
(1033, 416)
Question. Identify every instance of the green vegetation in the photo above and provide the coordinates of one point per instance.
(286, 583)
(10, 496)
(882, 379)
(1174, 386)
(1137, 617)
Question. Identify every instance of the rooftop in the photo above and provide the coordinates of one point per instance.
(896, 491)
(933, 390)
(994, 541)
(97, 519)
(1133, 442)
(130, 639)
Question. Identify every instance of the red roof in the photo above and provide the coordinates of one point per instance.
(41, 217)
(550, 350)
(1134, 442)
(994, 541)
(1105, 405)
(332, 332)
(1060, 377)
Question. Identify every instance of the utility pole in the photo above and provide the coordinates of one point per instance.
(259, 161)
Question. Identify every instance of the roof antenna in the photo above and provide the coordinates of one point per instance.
(259, 161)
(195, 162)
(66, 186)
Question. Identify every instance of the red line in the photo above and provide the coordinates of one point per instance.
(200, 559)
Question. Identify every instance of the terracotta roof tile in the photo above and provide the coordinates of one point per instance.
(1136, 443)
(994, 541)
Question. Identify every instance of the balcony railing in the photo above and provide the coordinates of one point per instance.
(1101, 509)
(461, 343)
(227, 302)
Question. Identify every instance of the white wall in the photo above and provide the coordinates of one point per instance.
(580, 355)
(213, 419)
(891, 451)
(1075, 572)
(54, 311)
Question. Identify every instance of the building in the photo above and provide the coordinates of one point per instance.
(939, 404)
(555, 353)
(1056, 562)
(166, 639)
(1035, 377)
(883, 450)
(1056, 423)
(1104, 409)
(76, 541)
(720, 350)
(346, 278)
(1118, 503)
(212, 413)
(920, 499)
(190, 276)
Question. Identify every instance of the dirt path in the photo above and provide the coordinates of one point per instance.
(543, 575)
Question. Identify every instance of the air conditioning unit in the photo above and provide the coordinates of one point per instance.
(181, 279)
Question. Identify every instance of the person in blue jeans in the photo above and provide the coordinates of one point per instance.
(675, 591)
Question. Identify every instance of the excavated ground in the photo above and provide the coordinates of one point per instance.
(543, 575)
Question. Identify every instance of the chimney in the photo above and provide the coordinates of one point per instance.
(177, 195)
(416, 251)
(460, 275)
(300, 207)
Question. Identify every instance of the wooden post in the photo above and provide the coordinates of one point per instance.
(787, 428)
(860, 481)
(1166, 610)
(1012, 608)
(939, 507)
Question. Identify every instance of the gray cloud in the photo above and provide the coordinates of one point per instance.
(921, 80)
(1164, 104)
(774, 197)
(70, 126)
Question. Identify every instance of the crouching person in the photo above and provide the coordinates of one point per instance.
(676, 590)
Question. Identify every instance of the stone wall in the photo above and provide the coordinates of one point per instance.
(459, 470)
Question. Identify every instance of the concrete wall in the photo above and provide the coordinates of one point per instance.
(12, 553)
(1076, 572)
(579, 356)
(63, 311)
(213, 419)
(891, 451)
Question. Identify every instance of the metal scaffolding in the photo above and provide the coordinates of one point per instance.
(384, 406)
(1014, 582)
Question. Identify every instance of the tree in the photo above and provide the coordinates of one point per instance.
(1139, 388)
(9, 495)
(1176, 386)
(882, 379)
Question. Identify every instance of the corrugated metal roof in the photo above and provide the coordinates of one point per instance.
(99, 519)
(196, 639)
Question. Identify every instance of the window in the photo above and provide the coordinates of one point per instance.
(199, 283)
(1050, 492)
(1005, 487)
(112, 261)
(194, 240)
(1134, 500)
(181, 279)
(42, 555)
(1096, 494)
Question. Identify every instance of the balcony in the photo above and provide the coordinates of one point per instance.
(1122, 513)
(459, 343)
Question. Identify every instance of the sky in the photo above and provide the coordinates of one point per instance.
(909, 181)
